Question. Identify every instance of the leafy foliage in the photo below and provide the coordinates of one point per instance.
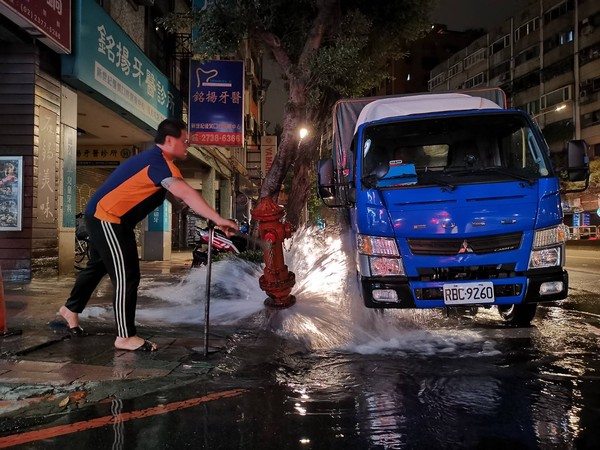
(326, 49)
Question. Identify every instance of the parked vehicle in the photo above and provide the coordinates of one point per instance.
(452, 201)
(221, 244)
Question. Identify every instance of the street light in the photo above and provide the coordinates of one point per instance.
(302, 132)
(558, 108)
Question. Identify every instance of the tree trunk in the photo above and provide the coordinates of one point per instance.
(301, 181)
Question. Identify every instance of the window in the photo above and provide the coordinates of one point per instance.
(455, 69)
(474, 58)
(500, 44)
(527, 55)
(437, 80)
(527, 28)
(476, 80)
(558, 11)
(456, 149)
(557, 40)
(555, 97)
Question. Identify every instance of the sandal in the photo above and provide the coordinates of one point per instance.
(147, 346)
(77, 332)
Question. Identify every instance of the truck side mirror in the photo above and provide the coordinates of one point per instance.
(578, 161)
(325, 180)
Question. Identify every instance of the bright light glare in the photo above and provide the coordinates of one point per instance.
(303, 132)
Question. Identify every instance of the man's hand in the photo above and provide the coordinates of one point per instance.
(229, 227)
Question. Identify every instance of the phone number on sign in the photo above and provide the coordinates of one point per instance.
(216, 138)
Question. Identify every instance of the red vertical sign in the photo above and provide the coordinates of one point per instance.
(51, 17)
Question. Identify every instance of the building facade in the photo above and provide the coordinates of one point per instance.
(82, 90)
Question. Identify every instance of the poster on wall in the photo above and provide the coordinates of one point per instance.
(11, 192)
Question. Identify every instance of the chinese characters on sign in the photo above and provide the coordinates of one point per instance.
(106, 60)
(104, 155)
(69, 176)
(50, 17)
(116, 53)
(216, 103)
(47, 167)
(11, 192)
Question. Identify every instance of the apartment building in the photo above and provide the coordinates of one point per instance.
(547, 60)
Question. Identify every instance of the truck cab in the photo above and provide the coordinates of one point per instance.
(453, 202)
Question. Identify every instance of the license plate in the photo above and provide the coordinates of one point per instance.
(468, 293)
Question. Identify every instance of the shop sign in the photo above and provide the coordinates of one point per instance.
(107, 60)
(216, 103)
(46, 180)
(52, 18)
(268, 148)
(69, 176)
(104, 155)
(159, 219)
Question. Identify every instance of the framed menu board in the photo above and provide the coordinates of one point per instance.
(11, 193)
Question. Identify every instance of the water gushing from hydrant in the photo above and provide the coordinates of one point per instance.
(329, 313)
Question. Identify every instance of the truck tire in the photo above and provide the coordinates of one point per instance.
(518, 315)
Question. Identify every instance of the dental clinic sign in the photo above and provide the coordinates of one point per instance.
(216, 103)
(106, 60)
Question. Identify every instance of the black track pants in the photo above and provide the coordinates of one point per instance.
(113, 250)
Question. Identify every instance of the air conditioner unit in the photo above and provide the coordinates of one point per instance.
(583, 94)
(588, 29)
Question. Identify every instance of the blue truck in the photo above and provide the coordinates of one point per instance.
(452, 201)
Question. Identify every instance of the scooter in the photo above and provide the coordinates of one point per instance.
(221, 244)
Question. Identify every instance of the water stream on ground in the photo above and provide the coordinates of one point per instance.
(328, 314)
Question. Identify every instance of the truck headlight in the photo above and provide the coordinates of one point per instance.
(377, 245)
(547, 237)
(379, 256)
(547, 247)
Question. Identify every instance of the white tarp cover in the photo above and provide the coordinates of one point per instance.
(421, 104)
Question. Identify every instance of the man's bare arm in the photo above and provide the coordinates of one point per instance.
(183, 191)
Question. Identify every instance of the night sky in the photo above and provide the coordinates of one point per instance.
(460, 15)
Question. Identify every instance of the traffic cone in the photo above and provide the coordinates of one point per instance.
(3, 328)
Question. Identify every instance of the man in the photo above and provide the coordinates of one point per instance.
(131, 192)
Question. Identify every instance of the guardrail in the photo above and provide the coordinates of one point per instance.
(585, 232)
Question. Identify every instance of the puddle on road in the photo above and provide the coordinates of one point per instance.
(328, 315)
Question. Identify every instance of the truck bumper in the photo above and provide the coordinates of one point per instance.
(419, 294)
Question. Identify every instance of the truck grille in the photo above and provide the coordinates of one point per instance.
(477, 245)
(484, 272)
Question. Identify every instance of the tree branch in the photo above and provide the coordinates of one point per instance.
(315, 37)
(279, 53)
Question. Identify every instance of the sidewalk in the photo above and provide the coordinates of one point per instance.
(44, 370)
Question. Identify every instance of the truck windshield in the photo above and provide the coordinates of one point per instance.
(455, 149)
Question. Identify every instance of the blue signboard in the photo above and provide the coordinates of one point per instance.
(216, 103)
(158, 220)
(106, 60)
(69, 176)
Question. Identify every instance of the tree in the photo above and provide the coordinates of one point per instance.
(326, 50)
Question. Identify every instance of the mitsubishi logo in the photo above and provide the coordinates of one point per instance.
(465, 247)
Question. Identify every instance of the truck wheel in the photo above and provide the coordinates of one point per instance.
(518, 315)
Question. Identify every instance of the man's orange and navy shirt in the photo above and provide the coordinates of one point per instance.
(134, 189)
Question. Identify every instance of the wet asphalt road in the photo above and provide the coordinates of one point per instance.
(418, 380)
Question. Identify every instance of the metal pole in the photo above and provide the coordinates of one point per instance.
(211, 232)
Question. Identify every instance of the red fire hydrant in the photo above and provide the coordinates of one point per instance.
(276, 281)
